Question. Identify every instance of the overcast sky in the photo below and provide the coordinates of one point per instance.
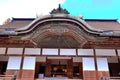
(90, 9)
(26, 8)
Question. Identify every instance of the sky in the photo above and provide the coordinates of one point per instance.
(89, 9)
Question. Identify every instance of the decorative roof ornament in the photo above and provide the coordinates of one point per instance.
(59, 10)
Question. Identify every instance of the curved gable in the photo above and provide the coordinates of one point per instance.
(58, 28)
(59, 18)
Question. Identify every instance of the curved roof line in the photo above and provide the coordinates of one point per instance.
(58, 17)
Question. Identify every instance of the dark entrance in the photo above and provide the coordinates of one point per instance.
(3, 66)
(114, 69)
(59, 68)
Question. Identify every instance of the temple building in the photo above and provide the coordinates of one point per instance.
(60, 46)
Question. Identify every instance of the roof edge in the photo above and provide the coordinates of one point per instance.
(20, 19)
(101, 20)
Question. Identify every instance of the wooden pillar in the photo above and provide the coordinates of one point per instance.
(21, 65)
(96, 67)
(117, 55)
(48, 68)
(37, 69)
(81, 70)
(1, 65)
(70, 68)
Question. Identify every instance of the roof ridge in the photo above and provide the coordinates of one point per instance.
(100, 19)
(23, 19)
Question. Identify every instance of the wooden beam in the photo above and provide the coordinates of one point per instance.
(117, 55)
(22, 61)
(6, 51)
(76, 52)
(96, 67)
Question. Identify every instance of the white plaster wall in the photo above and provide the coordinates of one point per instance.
(85, 52)
(2, 50)
(67, 51)
(29, 63)
(105, 52)
(88, 63)
(112, 60)
(48, 51)
(102, 64)
(77, 59)
(32, 51)
(14, 62)
(4, 58)
(58, 57)
(17, 51)
(40, 59)
(118, 52)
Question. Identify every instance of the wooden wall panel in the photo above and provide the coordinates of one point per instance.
(89, 75)
(27, 79)
(7, 78)
(81, 70)
(28, 75)
(90, 78)
(12, 72)
(48, 69)
(37, 69)
(0, 68)
(103, 74)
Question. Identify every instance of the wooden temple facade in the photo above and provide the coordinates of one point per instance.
(60, 45)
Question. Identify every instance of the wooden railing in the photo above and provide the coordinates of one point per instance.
(110, 78)
(59, 79)
(114, 78)
(7, 77)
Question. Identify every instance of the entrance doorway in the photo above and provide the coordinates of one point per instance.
(64, 68)
(59, 68)
(114, 69)
(40, 69)
(3, 66)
